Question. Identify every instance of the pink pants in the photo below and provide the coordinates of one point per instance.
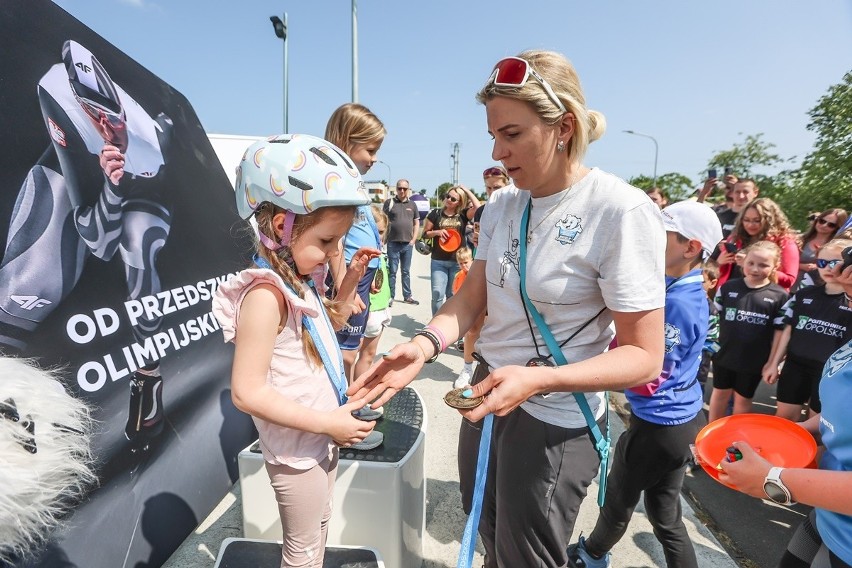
(304, 504)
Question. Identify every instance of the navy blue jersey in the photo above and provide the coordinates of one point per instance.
(675, 396)
(748, 318)
(820, 323)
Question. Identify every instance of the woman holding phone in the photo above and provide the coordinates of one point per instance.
(761, 220)
(587, 276)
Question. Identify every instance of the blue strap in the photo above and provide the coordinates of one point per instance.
(338, 380)
(602, 443)
(470, 529)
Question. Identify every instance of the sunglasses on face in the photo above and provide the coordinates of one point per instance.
(823, 263)
(514, 72)
(493, 172)
(451, 198)
(402, 189)
(824, 222)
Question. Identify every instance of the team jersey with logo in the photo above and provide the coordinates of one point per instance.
(748, 318)
(835, 425)
(819, 323)
(676, 395)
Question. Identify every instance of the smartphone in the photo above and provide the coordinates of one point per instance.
(732, 247)
(847, 258)
(711, 173)
(729, 171)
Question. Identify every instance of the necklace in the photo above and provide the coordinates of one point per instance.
(552, 209)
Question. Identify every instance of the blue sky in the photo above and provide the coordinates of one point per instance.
(694, 75)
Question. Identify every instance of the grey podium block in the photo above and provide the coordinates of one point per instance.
(248, 553)
(379, 495)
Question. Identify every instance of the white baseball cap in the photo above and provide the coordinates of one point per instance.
(696, 221)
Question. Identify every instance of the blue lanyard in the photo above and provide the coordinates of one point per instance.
(602, 443)
(338, 380)
(468, 542)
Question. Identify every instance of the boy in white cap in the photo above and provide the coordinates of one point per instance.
(666, 414)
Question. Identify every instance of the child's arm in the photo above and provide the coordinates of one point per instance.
(779, 350)
(262, 312)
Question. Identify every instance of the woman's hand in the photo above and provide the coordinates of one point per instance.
(747, 474)
(390, 374)
(344, 428)
(726, 257)
(504, 390)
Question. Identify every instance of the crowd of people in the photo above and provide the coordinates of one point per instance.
(624, 297)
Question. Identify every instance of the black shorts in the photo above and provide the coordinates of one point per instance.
(744, 383)
(799, 382)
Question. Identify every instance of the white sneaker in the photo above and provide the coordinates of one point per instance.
(463, 380)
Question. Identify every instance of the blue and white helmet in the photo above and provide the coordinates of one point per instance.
(299, 173)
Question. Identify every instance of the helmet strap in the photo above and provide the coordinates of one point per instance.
(286, 233)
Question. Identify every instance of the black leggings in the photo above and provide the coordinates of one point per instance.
(806, 549)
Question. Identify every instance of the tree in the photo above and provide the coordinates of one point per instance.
(743, 158)
(439, 193)
(675, 185)
(825, 178)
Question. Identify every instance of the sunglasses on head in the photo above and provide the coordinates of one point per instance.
(822, 221)
(451, 198)
(822, 263)
(514, 72)
(493, 172)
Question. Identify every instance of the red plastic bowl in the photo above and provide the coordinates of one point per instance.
(453, 241)
(779, 441)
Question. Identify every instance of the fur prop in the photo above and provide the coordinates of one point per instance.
(45, 458)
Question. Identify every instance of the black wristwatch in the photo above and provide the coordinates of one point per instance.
(775, 488)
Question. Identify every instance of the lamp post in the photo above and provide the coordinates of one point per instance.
(280, 27)
(354, 52)
(656, 150)
(389, 176)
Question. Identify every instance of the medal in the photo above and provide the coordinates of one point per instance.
(540, 362)
(455, 399)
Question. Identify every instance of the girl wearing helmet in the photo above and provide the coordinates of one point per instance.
(288, 371)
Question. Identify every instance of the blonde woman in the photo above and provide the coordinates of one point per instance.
(582, 277)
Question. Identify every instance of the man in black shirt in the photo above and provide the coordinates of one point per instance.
(403, 229)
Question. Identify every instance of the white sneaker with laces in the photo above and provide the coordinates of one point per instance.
(463, 380)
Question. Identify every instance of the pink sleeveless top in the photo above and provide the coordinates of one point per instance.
(290, 373)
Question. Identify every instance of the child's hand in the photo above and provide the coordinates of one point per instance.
(770, 374)
(344, 428)
(360, 260)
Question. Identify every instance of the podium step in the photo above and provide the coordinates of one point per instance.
(250, 553)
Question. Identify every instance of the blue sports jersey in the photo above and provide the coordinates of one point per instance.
(363, 233)
(675, 396)
(835, 425)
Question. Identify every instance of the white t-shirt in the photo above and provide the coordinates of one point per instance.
(600, 245)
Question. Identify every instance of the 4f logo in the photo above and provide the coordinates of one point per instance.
(30, 302)
(730, 314)
(83, 67)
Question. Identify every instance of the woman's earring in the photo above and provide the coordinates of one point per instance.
(560, 146)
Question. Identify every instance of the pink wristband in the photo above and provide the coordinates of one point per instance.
(439, 334)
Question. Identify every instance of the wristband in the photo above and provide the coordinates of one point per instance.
(434, 341)
(439, 334)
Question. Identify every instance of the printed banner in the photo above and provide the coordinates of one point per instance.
(117, 224)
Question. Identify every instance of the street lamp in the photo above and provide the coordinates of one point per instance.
(656, 151)
(389, 175)
(280, 27)
(354, 52)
